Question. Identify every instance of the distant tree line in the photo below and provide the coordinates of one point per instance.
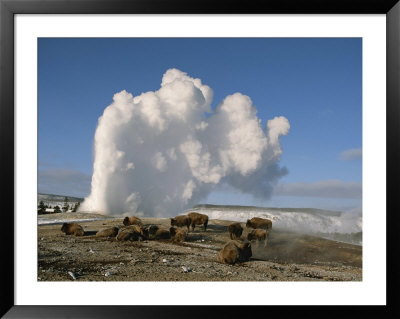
(66, 207)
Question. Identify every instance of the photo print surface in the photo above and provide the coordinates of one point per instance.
(199, 159)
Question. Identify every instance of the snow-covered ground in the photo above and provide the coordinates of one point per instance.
(303, 220)
(341, 226)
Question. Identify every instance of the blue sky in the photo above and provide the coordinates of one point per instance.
(315, 83)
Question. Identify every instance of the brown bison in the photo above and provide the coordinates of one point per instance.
(132, 232)
(257, 222)
(235, 251)
(132, 221)
(149, 232)
(258, 235)
(235, 230)
(108, 232)
(152, 232)
(178, 234)
(72, 229)
(198, 219)
(181, 221)
(162, 233)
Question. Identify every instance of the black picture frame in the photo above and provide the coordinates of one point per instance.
(8, 8)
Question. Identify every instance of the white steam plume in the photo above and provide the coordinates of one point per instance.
(158, 153)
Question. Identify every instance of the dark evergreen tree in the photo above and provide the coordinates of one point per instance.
(41, 208)
(66, 206)
(57, 209)
(76, 206)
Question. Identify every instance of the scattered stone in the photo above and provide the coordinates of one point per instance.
(186, 269)
(72, 275)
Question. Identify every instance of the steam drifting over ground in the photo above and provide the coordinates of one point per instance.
(159, 153)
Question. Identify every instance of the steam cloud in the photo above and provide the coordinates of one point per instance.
(160, 152)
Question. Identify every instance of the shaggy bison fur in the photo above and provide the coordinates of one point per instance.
(257, 222)
(198, 219)
(72, 229)
(235, 251)
(235, 230)
(178, 234)
(162, 233)
(153, 232)
(181, 221)
(108, 232)
(258, 235)
(132, 232)
(132, 221)
(149, 232)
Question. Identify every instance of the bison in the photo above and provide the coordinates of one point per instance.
(235, 230)
(132, 232)
(132, 221)
(198, 219)
(178, 234)
(258, 235)
(162, 233)
(257, 222)
(149, 232)
(181, 221)
(108, 232)
(72, 229)
(235, 251)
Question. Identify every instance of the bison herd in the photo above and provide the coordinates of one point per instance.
(238, 249)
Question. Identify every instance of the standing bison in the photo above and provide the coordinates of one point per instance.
(261, 223)
(198, 219)
(258, 235)
(72, 229)
(235, 230)
(132, 221)
(235, 251)
(181, 221)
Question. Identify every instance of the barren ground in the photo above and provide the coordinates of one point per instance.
(288, 256)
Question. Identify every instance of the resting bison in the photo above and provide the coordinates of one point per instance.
(257, 222)
(149, 232)
(162, 233)
(132, 221)
(133, 233)
(178, 234)
(198, 219)
(235, 251)
(235, 230)
(72, 229)
(258, 235)
(181, 221)
(108, 232)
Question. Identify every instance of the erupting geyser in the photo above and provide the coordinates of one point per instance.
(158, 153)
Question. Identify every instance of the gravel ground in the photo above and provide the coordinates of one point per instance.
(288, 256)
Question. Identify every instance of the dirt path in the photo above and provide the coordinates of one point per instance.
(287, 257)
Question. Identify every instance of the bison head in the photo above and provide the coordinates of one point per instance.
(126, 221)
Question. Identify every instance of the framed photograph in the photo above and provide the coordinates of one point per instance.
(196, 155)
